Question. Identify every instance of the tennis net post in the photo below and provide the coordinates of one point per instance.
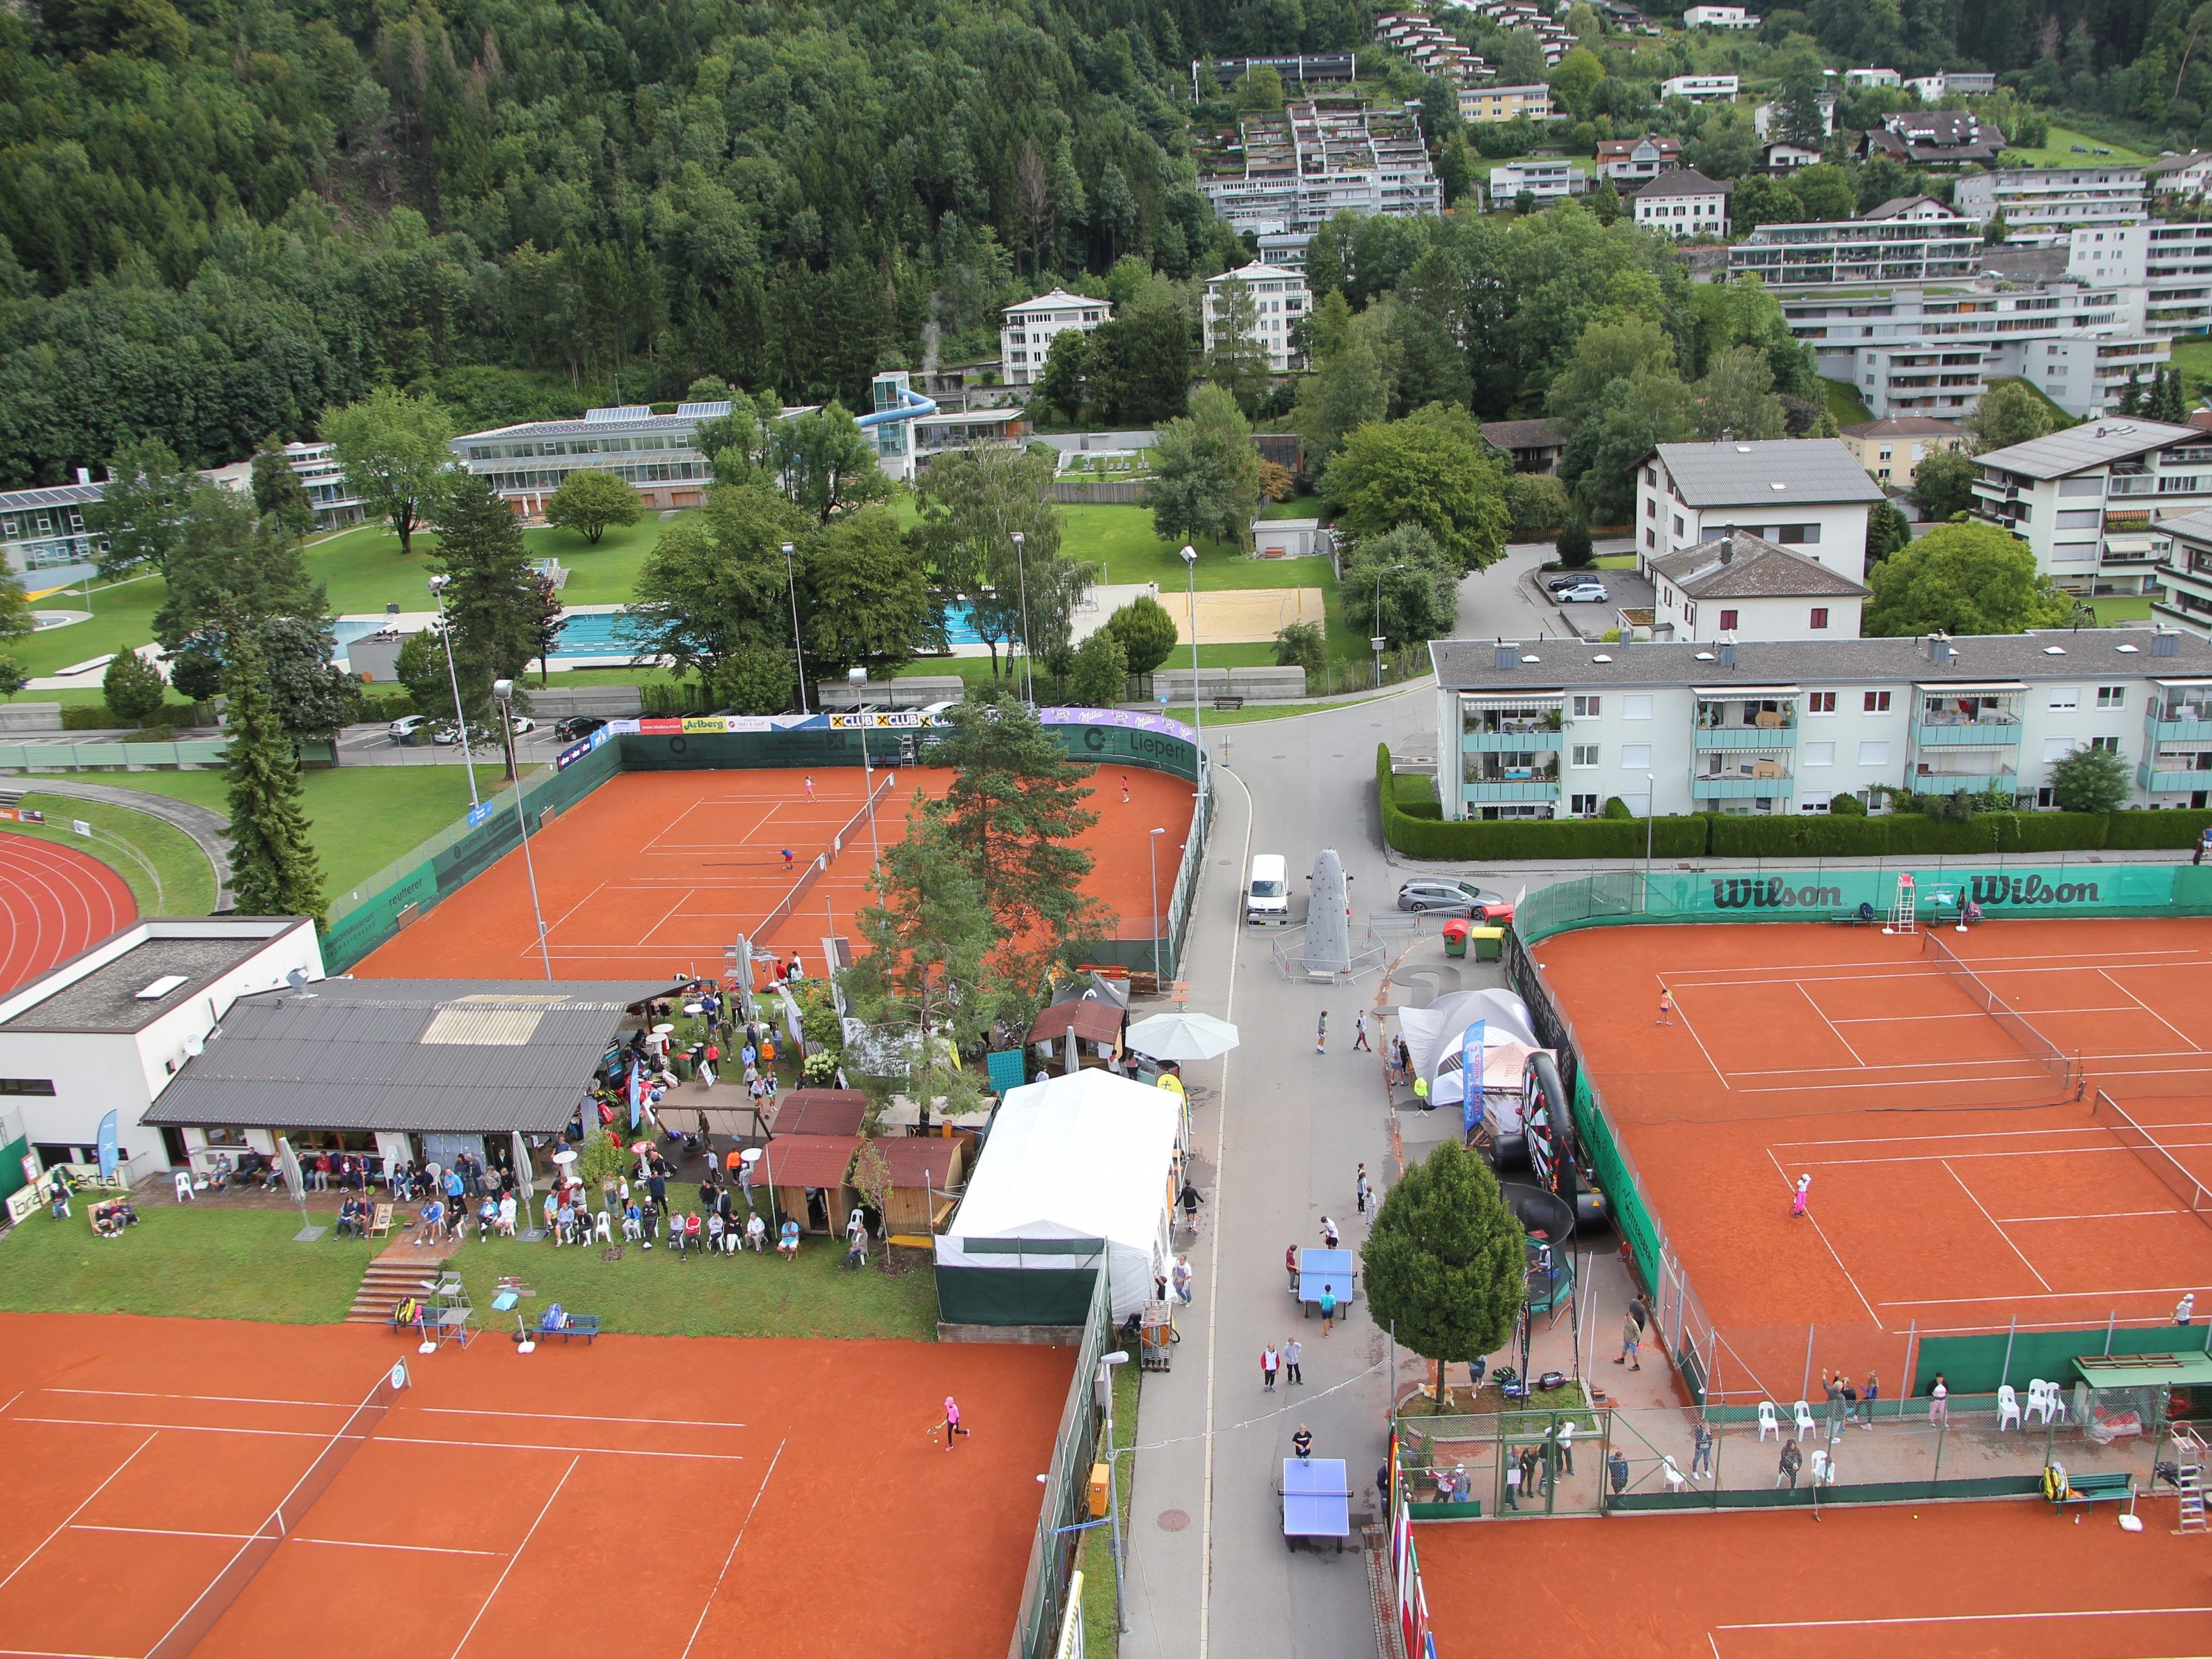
(197, 1621)
(2192, 1193)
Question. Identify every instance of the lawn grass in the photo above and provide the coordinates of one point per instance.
(2116, 608)
(653, 1293)
(1099, 1635)
(361, 818)
(1298, 507)
(2057, 151)
(1616, 561)
(1845, 406)
(1122, 542)
(196, 1261)
(168, 874)
(364, 571)
(2193, 357)
(2060, 420)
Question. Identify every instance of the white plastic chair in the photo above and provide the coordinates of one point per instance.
(1675, 1480)
(2008, 1410)
(185, 1194)
(1769, 1422)
(1820, 1466)
(1804, 1414)
(633, 1228)
(603, 1229)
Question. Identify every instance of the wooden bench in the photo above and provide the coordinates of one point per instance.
(1229, 702)
(584, 1325)
(2112, 1487)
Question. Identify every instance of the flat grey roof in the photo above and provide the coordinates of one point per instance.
(1812, 471)
(1469, 665)
(70, 495)
(107, 999)
(2092, 443)
(427, 1056)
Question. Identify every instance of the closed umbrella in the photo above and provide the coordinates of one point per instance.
(1183, 1036)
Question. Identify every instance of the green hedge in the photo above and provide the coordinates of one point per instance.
(1412, 824)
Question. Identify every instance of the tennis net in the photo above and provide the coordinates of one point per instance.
(197, 1621)
(820, 863)
(2064, 1075)
(2193, 1192)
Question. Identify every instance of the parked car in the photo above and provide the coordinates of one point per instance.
(403, 729)
(1459, 898)
(577, 726)
(1573, 579)
(1582, 594)
(478, 737)
(521, 723)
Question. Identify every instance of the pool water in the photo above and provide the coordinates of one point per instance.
(609, 634)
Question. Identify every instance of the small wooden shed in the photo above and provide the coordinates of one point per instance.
(920, 1172)
(795, 1165)
(820, 1112)
(1069, 1035)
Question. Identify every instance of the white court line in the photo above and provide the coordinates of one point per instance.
(1894, 1065)
(181, 1428)
(218, 1399)
(1992, 1220)
(1790, 1186)
(2031, 1152)
(388, 1439)
(1694, 1037)
(2061, 963)
(49, 1652)
(2055, 1296)
(12, 1399)
(709, 1606)
(2094, 1215)
(411, 1549)
(2107, 976)
(71, 1516)
(1976, 1013)
(2097, 1129)
(1973, 1618)
(1829, 1023)
(165, 1532)
(579, 1417)
(1923, 1082)
(501, 1581)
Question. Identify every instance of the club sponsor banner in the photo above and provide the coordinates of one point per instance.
(20, 815)
(887, 720)
(1157, 725)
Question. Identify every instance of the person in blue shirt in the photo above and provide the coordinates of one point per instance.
(786, 1240)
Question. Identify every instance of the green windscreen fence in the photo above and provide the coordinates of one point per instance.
(1981, 1362)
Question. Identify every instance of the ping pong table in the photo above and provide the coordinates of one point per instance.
(1317, 1502)
(1324, 1268)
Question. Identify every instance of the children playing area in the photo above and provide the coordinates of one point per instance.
(642, 1496)
(658, 873)
(2014, 1136)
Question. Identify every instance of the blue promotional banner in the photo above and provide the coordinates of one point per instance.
(108, 1154)
(1470, 1075)
(636, 1094)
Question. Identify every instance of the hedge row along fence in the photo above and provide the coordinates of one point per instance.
(1412, 824)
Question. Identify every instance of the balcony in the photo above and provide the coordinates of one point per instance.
(1745, 737)
(1930, 781)
(1533, 740)
(1966, 734)
(1493, 792)
(1741, 788)
(2158, 782)
(2180, 723)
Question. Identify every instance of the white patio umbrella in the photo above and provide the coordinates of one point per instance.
(1183, 1036)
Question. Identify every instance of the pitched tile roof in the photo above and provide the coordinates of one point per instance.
(1742, 566)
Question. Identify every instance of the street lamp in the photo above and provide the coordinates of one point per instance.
(1106, 1364)
(461, 721)
(1650, 810)
(1022, 576)
(502, 693)
(1152, 847)
(1197, 718)
(791, 576)
(1379, 640)
(857, 678)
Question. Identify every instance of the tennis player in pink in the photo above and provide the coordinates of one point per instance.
(952, 1421)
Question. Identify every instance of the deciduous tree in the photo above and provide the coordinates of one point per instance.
(1145, 631)
(2010, 412)
(1206, 474)
(1445, 1261)
(1943, 484)
(1426, 469)
(590, 502)
(827, 464)
(133, 688)
(1962, 579)
(142, 509)
(278, 491)
(2089, 780)
(394, 450)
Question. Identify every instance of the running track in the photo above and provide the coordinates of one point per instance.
(54, 903)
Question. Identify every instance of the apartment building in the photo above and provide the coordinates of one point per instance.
(2042, 205)
(1632, 160)
(1740, 586)
(43, 535)
(1547, 178)
(1479, 104)
(1555, 728)
(1934, 138)
(1280, 301)
(1864, 78)
(2180, 175)
(1891, 450)
(2187, 578)
(1911, 246)
(1297, 72)
(324, 479)
(1427, 47)
(1701, 89)
(1286, 175)
(1685, 202)
(2093, 501)
(2164, 270)
(1553, 38)
(1719, 17)
(1808, 494)
(1025, 338)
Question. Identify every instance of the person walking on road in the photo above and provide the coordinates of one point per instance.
(1270, 1361)
(1359, 1043)
(1360, 1188)
(1631, 1339)
(1180, 1277)
(1291, 1352)
(1320, 1034)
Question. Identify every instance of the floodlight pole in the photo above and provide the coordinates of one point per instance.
(799, 651)
(460, 720)
(502, 693)
(1153, 850)
(1106, 1364)
(1022, 578)
(1650, 812)
(1197, 717)
(858, 677)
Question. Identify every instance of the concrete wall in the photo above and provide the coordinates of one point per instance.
(1257, 685)
(913, 691)
(31, 717)
(612, 702)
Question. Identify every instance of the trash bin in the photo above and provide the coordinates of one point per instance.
(1456, 933)
(683, 1066)
(1489, 944)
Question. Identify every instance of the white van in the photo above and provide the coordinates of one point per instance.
(1268, 891)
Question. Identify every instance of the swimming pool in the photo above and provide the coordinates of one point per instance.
(586, 634)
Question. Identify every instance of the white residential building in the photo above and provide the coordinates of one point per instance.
(2092, 502)
(1631, 161)
(1743, 587)
(43, 535)
(1807, 495)
(1025, 338)
(2187, 598)
(321, 476)
(1891, 450)
(1766, 115)
(1719, 17)
(1685, 202)
(2041, 204)
(1281, 300)
(1863, 78)
(1287, 174)
(1701, 89)
(2181, 175)
(1817, 253)
(2163, 270)
(1953, 83)
(1555, 728)
(1547, 178)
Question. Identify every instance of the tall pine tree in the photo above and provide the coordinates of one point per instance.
(274, 870)
(493, 603)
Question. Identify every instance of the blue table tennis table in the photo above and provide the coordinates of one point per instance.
(1317, 1268)
(1317, 1501)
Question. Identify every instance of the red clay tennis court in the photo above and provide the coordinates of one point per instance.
(54, 903)
(657, 873)
(1962, 1176)
(1947, 1581)
(637, 1495)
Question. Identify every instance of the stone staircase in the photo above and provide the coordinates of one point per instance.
(400, 1271)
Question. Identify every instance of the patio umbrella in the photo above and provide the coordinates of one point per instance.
(1183, 1036)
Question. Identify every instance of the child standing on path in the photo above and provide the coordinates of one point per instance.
(1320, 1034)
(1269, 1361)
(1359, 1043)
(1797, 1199)
(1360, 1189)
